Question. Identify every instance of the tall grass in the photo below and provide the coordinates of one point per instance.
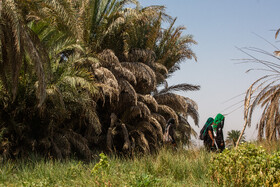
(269, 146)
(167, 168)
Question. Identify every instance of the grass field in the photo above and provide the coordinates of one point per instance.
(167, 168)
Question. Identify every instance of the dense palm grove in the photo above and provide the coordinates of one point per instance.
(81, 76)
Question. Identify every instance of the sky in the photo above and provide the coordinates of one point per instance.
(221, 28)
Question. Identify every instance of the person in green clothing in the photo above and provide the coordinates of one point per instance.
(218, 129)
(209, 141)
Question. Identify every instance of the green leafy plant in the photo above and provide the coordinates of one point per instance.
(145, 180)
(103, 164)
(248, 165)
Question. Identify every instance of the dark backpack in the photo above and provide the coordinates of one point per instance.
(202, 133)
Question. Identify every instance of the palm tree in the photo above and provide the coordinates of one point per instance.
(232, 137)
(100, 88)
(183, 107)
(131, 77)
(264, 92)
(19, 42)
(89, 21)
(69, 91)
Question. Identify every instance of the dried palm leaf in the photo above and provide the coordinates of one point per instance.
(145, 76)
(145, 111)
(127, 92)
(148, 130)
(159, 68)
(114, 119)
(142, 55)
(126, 145)
(179, 87)
(276, 53)
(176, 102)
(108, 59)
(93, 119)
(124, 73)
(140, 141)
(277, 32)
(79, 143)
(167, 112)
(179, 104)
(62, 144)
(108, 83)
(149, 101)
(157, 127)
(109, 139)
(186, 126)
(131, 113)
(160, 119)
(191, 111)
(160, 78)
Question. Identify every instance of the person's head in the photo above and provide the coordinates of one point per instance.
(218, 119)
(209, 121)
(171, 121)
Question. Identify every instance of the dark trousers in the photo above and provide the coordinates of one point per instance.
(221, 145)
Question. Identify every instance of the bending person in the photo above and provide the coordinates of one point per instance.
(209, 141)
(169, 135)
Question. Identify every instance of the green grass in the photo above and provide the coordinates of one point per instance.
(167, 168)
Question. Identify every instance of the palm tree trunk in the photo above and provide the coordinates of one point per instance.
(246, 108)
(242, 132)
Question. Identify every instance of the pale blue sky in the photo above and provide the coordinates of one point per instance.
(219, 26)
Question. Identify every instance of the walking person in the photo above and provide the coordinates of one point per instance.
(218, 128)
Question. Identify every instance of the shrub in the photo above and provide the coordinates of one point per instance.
(103, 164)
(248, 165)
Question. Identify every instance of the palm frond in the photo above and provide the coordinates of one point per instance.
(127, 90)
(124, 73)
(167, 112)
(127, 144)
(148, 130)
(145, 76)
(108, 59)
(180, 87)
(160, 119)
(141, 141)
(176, 102)
(149, 101)
(107, 82)
(157, 127)
(145, 111)
(140, 55)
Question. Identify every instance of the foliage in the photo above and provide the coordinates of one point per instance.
(86, 77)
(233, 135)
(145, 180)
(264, 92)
(102, 165)
(248, 165)
(167, 168)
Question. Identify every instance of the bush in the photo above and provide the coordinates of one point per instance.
(248, 165)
